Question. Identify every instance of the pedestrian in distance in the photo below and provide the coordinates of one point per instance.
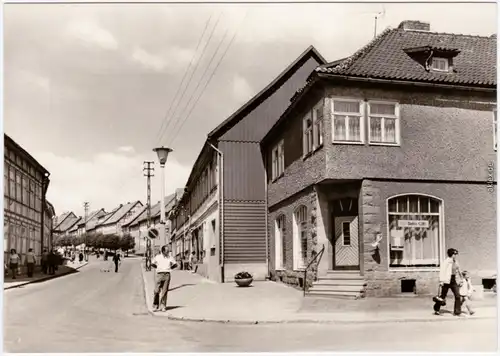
(449, 278)
(191, 261)
(466, 291)
(44, 261)
(14, 260)
(164, 264)
(80, 257)
(30, 262)
(51, 261)
(116, 260)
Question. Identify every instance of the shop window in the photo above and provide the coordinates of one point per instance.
(415, 228)
(300, 237)
(488, 283)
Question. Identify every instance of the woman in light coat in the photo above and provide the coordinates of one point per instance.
(450, 278)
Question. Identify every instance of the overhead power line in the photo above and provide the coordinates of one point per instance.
(165, 120)
(162, 133)
(210, 79)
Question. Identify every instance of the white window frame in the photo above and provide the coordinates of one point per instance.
(361, 120)
(495, 131)
(436, 60)
(278, 160)
(397, 116)
(318, 125)
(343, 236)
(307, 135)
(441, 240)
(298, 261)
(279, 242)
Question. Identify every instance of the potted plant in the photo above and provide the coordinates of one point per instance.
(243, 279)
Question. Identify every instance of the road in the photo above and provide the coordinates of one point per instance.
(93, 311)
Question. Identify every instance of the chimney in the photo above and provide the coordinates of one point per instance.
(410, 25)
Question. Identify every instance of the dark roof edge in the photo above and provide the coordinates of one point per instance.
(63, 220)
(232, 120)
(125, 213)
(18, 146)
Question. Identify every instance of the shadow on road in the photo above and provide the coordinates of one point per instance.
(182, 285)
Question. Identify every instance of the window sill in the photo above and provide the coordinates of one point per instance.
(384, 144)
(309, 154)
(413, 269)
(278, 177)
(347, 143)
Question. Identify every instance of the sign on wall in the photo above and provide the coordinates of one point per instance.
(413, 223)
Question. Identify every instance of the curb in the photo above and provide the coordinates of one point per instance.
(315, 321)
(47, 278)
(294, 321)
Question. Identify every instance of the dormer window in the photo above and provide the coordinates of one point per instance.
(440, 64)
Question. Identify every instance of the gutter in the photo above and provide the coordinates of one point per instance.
(407, 83)
(267, 218)
(221, 208)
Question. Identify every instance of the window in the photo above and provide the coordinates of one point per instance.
(495, 126)
(300, 237)
(318, 124)
(279, 238)
(18, 187)
(414, 231)
(383, 123)
(440, 64)
(278, 160)
(6, 235)
(347, 121)
(5, 179)
(307, 125)
(346, 233)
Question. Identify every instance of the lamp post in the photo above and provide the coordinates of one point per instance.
(162, 153)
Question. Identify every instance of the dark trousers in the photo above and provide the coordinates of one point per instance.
(31, 268)
(116, 267)
(52, 268)
(455, 288)
(44, 267)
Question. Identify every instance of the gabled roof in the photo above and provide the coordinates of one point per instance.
(64, 216)
(76, 224)
(137, 215)
(90, 216)
(92, 223)
(8, 141)
(250, 105)
(170, 201)
(120, 213)
(68, 223)
(388, 56)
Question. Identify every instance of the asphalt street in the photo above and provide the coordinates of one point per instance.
(94, 311)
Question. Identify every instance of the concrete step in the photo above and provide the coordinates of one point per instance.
(332, 294)
(346, 271)
(354, 288)
(334, 277)
(339, 282)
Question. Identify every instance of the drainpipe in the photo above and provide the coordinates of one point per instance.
(221, 206)
(45, 185)
(267, 219)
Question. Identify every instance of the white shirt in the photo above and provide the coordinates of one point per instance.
(163, 264)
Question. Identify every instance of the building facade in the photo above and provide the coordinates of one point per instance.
(25, 186)
(114, 222)
(387, 159)
(222, 215)
(49, 212)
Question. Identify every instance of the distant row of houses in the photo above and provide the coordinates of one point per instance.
(130, 218)
(364, 156)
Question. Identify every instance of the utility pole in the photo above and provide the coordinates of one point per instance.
(86, 207)
(148, 169)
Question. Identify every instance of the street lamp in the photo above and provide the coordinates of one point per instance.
(162, 153)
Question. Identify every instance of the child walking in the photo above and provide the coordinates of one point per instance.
(466, 292)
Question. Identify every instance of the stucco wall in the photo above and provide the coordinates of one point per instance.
(469, 225)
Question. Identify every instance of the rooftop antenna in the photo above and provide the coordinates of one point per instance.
(377, 16)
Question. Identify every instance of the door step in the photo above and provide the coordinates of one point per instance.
(339, 282)
(333, 294)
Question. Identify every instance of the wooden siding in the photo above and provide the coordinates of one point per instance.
(244, 232)
(244, 178)
(256, 124)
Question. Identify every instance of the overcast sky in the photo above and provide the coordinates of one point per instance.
(87, 87)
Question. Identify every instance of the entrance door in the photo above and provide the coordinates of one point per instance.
(345, 231)
(346, 242)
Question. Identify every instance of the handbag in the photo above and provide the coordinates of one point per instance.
(437, 298)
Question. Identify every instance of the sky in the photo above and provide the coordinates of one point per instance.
(90, 90)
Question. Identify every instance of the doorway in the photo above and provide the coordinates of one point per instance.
(345, 231)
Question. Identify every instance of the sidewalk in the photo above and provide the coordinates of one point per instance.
(194, 298)
(22, 280)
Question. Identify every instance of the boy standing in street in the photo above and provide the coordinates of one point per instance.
(164, 264)
(30, 262)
